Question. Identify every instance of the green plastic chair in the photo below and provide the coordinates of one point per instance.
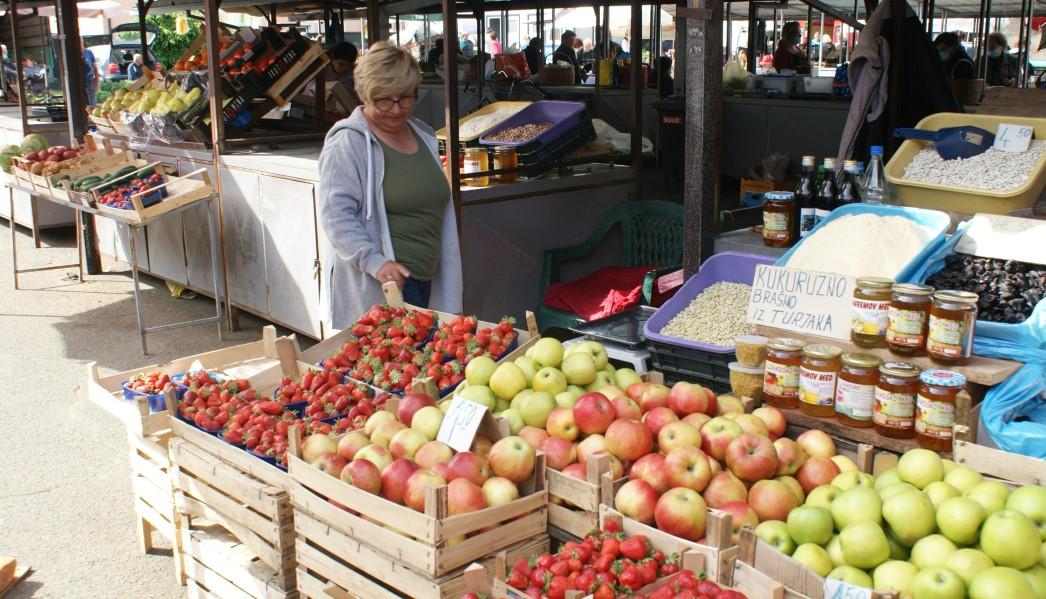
(651, 234)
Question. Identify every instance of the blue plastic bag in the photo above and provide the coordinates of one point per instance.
(1014, 412)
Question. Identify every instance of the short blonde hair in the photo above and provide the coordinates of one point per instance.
(386, 71)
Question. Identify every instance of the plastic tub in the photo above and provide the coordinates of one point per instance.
(956, 199)
(750, 350)
(488, 109)
(745, 382)
(937, 223)
(564, 116)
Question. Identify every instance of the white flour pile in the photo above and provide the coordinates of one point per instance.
(481, 124)
(861, 245)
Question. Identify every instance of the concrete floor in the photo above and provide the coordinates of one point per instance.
(65, 494)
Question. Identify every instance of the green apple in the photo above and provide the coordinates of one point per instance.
(810, 525)
(932, 551)
(896, 489)
(823, 496)
(536, 407)
(1030, 501)
(576, 390)
(887, 478)
(479, 394)
(939, 492)
(999, 582)
(864, 545)
(859, 504)
(775, 534)
(603, 379)
(508, 380)
(894, 575)
(963, 478)
(1011, 539)
(594, 349)
(519, 398)
(835, 551)
(1036, 576)
(910, 516)
(479, 370)
(960, 518)
(1042, 556)
(549, 380)
(853, 478)
(948, 465)
(851, 575)
(937, 583)
(624, 377)
(609, 368)
(991, 494)
(897, 551)
(920, 467)
(500, 405)
(427, 421)
(444, 406)
(967, 563)
(529, 368)
(579, 368)
(566, 399)
(514, 418)
(813, 557)
(547, 351)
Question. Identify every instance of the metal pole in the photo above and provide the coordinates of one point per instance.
(14, 232)
(809, 30)
(450, 90)
(137, 287)
(1021, 59)
(20, 85)
(985, 32)
(929, 20)
(753, 39)
(142, 12)
(820, 44)
(729, 34)
(1026, 55)
(212, 228)
(636, 51)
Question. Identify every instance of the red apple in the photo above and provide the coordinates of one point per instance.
(714, 465)
(481, 445)
(654, 396)
(512, 458)
(629, 439)
(590, 445)
(713, 402)
(773, 418)
(559, 453)
(376, 454)
(751, 457)
(697, 419)
(790, 457)
(533, 435)
(362, 474)
(741, 514)
(593, 413)
(677, 434)
(410, 403)
(561, 424)
(317, 445)
(330, 463)
(793, 486)
(626, 408)
(432, 453)
(717, 434)
(681, 512)
(635, 391)
(468, 465)
(750, 424)
(406, 443)
(637, 500)
(687, 467)
(771, 500)
(464, 496)
(657, 418)
(394, 479)
(499, 491)
(351, 443)
(724, 488)
(651, 468)
(385, 432)
(442, 470)
(687, 398)
(816, 472)
(817, 444)
(578, 471)
(418, 482)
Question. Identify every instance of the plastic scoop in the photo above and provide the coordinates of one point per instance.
(953, 142)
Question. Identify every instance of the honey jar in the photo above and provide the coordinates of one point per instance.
(476, 161)
(505, 157)
(778, 216)
(818, 374)
(935, 408)
(909, 318)
(952, 318)
(781, 373)
(855, 390)
(895, 393)
(871, 311)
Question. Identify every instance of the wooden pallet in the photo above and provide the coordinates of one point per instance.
(209, 488)
(218, 565)
(573, 505)
(153, 491)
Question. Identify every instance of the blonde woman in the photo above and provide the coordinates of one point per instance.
(385, 204)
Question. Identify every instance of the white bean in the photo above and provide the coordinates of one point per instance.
(715, 316)
(994, 170)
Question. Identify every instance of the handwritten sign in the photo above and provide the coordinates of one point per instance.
(1013, 138)
(803, 301)
(461, 423)
(1005, 237)
(837, 589)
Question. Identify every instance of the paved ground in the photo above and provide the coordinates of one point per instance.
(65, 495)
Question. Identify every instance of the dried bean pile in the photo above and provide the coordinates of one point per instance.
(521, 133)
(715, 316)
(1009, 290)
(994, 170)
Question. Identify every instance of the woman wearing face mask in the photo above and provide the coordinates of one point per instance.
(957, 63)
(1002, 66)
(788, 54)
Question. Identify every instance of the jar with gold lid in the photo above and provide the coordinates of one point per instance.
(818, 374)
(952, 321)
(871, 311)
(895, 393)
(855, 390)
(909, 318)
(781, 372)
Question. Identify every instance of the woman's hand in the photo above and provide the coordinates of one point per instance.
(392, 271)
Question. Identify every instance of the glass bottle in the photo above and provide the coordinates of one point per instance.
(952, 321)
(818, 373)
(805, 195)
(828, 192)
(848, 192)
(778, 213)
(781, 373)
(871, 311)
(855, 390)
(894, 410)
(874, 186)
(909, 318)
(935, 408)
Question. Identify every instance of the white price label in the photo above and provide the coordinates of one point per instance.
(1013, 138)
(837, 589)
(460, 424)
(1005, 238)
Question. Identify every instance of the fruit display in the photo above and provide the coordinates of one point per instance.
(121, 196)
(90, 181)
(39, 158)
(927, 528)
(152, 383)
(157, 102)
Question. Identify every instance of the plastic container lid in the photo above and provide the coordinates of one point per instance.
(942, 378)
(877, 150)
(786, 196)
(737, 366)
(751, 339)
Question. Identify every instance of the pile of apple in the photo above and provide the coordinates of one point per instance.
(928, 529)
(397, 456)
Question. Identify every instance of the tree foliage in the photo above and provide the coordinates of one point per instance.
(168, 45)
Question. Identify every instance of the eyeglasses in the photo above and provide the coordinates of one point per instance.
(385, 104)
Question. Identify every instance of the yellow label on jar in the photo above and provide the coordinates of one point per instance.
(906, 327)
(934, 418)
(870, 317)
(781, 380)
(817, 388)
(775, 226)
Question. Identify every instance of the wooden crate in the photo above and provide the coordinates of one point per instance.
(97, 161)
(290, 83)
(153, 491)
(180, 191)
(20, 171)
(573, 506)
(1010, 468)
(258, 514)
(218, 565)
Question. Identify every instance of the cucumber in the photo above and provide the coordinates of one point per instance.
(86, 182)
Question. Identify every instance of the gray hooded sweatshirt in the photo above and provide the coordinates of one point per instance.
(356, 241)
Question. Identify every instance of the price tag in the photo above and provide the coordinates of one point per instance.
(837, 589)
(803, 301)
(1005, 238)
(461, 423)
(196, 366)
(1013, 138)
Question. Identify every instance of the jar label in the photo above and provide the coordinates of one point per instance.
(906, 327)
(807, 220)
(870, 317)
(947, 337)
(893, 410)
(781, 380)
(854, 400)
(775, 226)
(473, 166)
(816, 388)
(934, 418)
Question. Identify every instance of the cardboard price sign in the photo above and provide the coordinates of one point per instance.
(1005, 238)
(1013, 138)
(463, 421)
(837, 589)
(803, 301)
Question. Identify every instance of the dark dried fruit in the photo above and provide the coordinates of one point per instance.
(1009, 290)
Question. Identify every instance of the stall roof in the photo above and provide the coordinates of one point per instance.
(953, 8)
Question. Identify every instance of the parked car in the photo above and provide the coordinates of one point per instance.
(125, 42)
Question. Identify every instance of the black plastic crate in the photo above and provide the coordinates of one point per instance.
(692, 365)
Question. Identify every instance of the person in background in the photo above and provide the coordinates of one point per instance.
(957, 63)
(587, 54)
(1002, 66)
(535, 55)
(435, 52)
(384, 201)
(662, 79)
(136, 69)
(788, 54)
(495, 45)
(92, 76)
(340, 68)
(742, 57)
(468, 49)
(566, 53)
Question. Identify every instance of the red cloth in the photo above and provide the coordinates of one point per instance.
(607, 291)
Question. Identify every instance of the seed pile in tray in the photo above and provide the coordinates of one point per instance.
(521, 133)
(1008, 289)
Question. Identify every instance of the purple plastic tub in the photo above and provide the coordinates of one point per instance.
(564, 117)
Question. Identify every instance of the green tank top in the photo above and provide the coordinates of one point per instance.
(416, 194)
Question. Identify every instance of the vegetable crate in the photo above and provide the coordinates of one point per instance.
(99, 162)
(20, 171)
(218, 565)
(1009, 468)
(153, 493)
(84, 195)
(298, 75)
(573, 506)
(180, 191)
